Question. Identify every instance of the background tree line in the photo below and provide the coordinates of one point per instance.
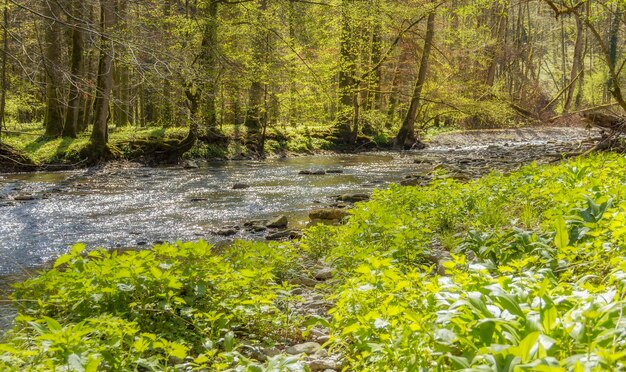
(356, 68)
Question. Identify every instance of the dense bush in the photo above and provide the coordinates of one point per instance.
(151, 308)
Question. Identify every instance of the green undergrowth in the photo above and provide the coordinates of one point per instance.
(524, 272)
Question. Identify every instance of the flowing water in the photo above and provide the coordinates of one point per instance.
(119, 206)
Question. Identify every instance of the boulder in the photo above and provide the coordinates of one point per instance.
(255, 222)
(279, 222)
(353, 198)
(258, 228)
(415, 180)
(295, 234)
(328, 214)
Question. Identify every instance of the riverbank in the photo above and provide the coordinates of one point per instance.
(144, 145)
(526, 268)
(29, 150)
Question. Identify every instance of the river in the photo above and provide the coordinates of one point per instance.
(128, 205)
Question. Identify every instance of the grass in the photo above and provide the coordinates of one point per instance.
(281, 140)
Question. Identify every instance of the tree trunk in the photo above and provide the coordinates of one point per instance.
(99, 135)
(73, 114)
(53, 120)
(5, 50)
(256, 114)
(347, 71)
(613, 42)
(209, 63)
(576, 64)
(377, 44)
(407, 129)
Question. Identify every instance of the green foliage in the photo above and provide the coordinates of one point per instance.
(541, 293)
(151, 309)
(518, 272)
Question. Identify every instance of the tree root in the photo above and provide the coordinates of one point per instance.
(155, 151)
(13, 160)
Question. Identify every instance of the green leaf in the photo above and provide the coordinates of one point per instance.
(523, 350)
(62, 260)
(93, 364)
(125, 287)
(53, 325)
(510, 304)
(459, 362)
(177, 350)
(75, 363)
(77, 249)
(229, 342)
(561, 239)
(549, 317)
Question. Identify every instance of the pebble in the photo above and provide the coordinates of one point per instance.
(323, 365)
(226, 232)
(240, 186)
(24, 197)
(312, 172)
(190, 164)
(308, 348)
(324, 274)
(303, 280)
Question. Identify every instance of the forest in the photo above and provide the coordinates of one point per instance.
(134, 78)
(312, 185)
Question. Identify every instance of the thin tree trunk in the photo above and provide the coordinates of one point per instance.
(73, 114)
(407, 131)
(347, 96)
(99, 135)
(209, 62)
(576, 64)
(256, 95)
(5, 50)
(53, 120)
(497, 49)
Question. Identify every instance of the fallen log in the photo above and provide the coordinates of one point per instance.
(610, 122)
